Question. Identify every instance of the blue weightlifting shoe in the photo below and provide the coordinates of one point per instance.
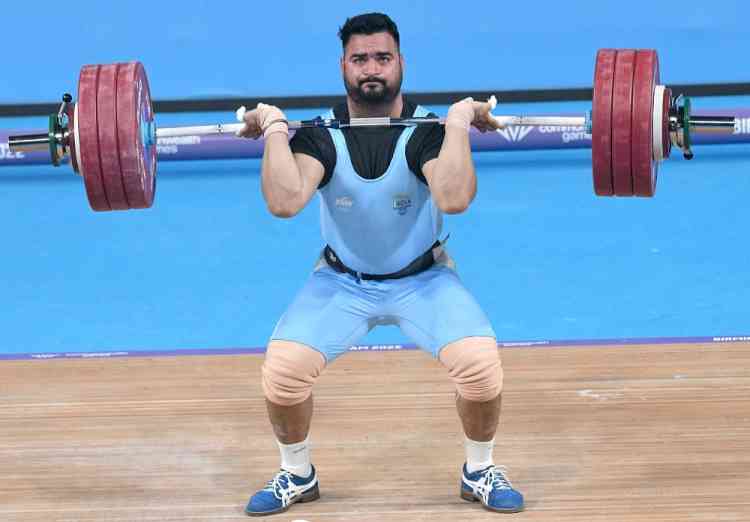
(491, 487)
(281, 492)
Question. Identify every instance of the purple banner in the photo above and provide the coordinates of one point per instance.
(601, 343)
(512, 138)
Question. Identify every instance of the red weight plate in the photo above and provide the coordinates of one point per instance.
(622, 110)
(71, 112)
(87, 138)
(136, 131)
(109, 154)
(601, 124)
(666, 142)
(644, 167)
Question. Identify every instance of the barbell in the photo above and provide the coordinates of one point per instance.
(110, 133)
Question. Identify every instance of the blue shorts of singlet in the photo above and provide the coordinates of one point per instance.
(333, 310)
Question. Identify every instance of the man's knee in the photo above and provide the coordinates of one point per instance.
(474, 366)
(289, 372)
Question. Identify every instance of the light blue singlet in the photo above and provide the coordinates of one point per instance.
(378, 226)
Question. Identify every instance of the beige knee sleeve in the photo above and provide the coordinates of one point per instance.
(289, 372)
(474, 366)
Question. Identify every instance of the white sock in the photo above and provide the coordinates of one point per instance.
(478, 454)
(296, 457)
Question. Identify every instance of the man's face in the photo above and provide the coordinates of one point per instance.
(372, 68)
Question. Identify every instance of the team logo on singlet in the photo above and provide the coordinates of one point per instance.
(344, 203)
(401, 203)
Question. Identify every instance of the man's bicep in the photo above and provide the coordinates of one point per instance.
(312, 172)
(425, 146)
(317, 144)
(432, 144)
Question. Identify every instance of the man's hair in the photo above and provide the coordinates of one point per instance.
(368, 23)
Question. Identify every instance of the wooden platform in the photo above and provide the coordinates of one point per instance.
(589, 434)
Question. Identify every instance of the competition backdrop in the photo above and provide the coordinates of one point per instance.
(202, 48)
(209, 268)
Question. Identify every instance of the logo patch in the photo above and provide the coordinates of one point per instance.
(344, 203)
(401, 203)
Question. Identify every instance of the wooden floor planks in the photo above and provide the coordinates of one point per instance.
(589, 434)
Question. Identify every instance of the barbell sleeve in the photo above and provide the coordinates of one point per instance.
(28, 142)
(712, 124)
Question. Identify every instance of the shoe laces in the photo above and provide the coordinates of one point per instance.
(497, 478)
(279, 485)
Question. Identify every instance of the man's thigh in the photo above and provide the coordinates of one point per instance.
(328, 314)
(434, 309)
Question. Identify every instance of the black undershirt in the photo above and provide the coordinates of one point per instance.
(371, 148)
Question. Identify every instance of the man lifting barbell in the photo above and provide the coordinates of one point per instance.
(386, 170)
(383, 192)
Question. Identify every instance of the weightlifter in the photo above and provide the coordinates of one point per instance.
(383, 194)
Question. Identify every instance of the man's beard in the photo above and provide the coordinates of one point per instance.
(373, 96)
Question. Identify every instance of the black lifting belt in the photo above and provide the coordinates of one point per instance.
(420, 264)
